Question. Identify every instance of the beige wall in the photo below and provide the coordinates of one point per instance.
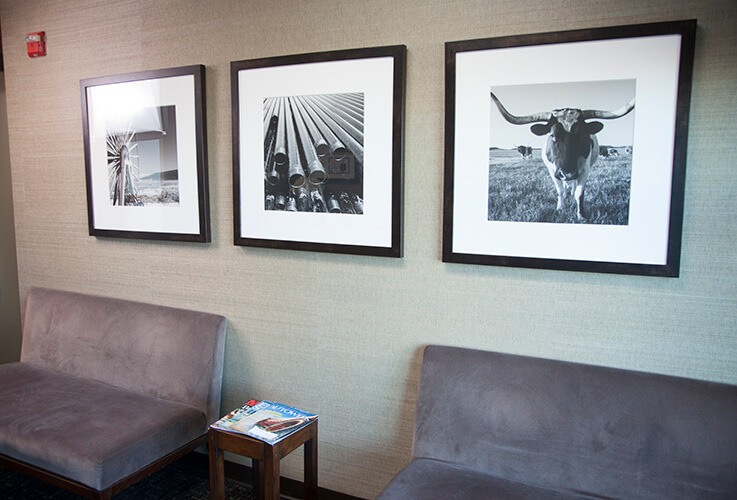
(339, 334)
(9, 300)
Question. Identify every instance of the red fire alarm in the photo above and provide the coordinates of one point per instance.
(36, 44)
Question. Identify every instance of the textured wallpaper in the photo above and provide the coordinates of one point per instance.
(340, 335)
(9, 307)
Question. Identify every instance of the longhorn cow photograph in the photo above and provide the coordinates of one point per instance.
(567, 181)
(601, 189)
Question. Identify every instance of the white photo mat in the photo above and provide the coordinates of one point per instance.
(182, 220)
(653, 62)
(371, 76)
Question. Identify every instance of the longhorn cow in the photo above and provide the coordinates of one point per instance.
(571, 147)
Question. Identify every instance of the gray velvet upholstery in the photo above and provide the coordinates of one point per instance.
(494, 425)
(85, 430)
(105, 386)
(425, 478)
(169, 353)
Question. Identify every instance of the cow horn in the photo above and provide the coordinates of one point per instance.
(609, 115)
(519, 120)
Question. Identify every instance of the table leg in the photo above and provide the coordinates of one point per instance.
(217, 468)
(257, 479)
(310, 459)
(271, 474)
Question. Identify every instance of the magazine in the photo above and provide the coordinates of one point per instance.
(265, 420)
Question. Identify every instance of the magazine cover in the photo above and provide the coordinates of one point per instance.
(265, 420)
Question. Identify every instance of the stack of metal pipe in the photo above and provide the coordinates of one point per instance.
(313, 153)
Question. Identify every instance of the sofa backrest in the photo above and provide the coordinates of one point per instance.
(169, 353)
(596, 430)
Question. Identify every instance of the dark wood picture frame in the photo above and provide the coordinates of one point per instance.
(474, 234)
(287, 169)
(161, 194)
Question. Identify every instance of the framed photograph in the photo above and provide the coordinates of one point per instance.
(567, 150)
(317, 151)
(146, 154)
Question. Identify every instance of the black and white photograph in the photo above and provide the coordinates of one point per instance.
(142, 157)
(146, 154)
(555, 160)
(317, 151)
(561, 152)
(313, 153)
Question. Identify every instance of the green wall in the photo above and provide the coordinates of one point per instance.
(342, 335)
(10, 333)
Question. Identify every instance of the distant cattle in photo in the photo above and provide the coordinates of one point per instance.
(525, 152)
(571, 147)
(607, 151)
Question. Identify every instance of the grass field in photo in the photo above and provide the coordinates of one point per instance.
(521, 190)
(155, 192)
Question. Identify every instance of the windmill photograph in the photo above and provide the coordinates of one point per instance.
(142, 157)
(146, 154)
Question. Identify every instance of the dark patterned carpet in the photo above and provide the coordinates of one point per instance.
(174, 482)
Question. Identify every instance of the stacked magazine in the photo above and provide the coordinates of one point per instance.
(265, 420)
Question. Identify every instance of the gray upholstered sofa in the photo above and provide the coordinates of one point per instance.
(107, 390)
(493, 425)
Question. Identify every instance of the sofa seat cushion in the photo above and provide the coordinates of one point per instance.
(87, 431)
(432, 479)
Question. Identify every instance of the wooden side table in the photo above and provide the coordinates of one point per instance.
(266, 459)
